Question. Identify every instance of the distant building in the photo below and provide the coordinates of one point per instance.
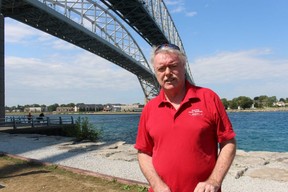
(279, 104)
(33, 109)
(64, 109)
(81, 107)
(132, 108)
(123, 107)
(116, 108)
(107, 107)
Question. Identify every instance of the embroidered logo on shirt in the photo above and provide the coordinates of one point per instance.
(195, 112)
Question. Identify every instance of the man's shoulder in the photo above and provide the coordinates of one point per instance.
(199, 90)
(154, 101)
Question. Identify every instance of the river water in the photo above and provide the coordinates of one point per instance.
(256, 131)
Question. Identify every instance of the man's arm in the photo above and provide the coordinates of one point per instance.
(224, 161)
(148, 170)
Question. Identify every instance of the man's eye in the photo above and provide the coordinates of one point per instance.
(161, 69)
(173, 67)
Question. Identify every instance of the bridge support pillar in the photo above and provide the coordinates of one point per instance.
(2, 69)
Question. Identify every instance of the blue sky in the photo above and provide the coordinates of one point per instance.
(235, 47)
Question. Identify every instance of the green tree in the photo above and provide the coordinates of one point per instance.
(53, 107)
(225, 103)
(20, 107)
(256, 99)
(271, 100)
(263, 101)
(70, 105)
(233, 104)
(257, 102)
(244, 102)
(282, 100)
(43, 106)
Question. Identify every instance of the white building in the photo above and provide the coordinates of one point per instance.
(33, 109)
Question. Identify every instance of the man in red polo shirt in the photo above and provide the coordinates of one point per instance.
(179, 131)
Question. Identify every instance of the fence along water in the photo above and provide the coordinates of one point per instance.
(21, 122)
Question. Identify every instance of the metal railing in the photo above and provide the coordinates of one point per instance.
(27, 122)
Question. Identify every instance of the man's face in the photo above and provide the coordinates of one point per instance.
(170, 72)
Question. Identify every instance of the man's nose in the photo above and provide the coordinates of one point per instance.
(167, 71)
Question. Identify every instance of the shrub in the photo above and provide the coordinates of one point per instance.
(84, 130)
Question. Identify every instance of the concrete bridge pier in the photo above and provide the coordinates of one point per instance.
(2, 69)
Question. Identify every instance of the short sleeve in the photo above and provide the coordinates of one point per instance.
(144, 142)
(224, 126)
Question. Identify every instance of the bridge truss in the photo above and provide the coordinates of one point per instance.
(94, 26)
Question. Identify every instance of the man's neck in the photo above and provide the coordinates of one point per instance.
(175, 97)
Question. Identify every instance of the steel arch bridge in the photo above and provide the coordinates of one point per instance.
(97, 26)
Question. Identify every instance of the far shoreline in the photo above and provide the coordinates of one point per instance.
(268, 109)
(75, 113)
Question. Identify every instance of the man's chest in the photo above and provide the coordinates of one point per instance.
(190, 122)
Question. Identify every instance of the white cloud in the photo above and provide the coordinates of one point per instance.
(248, 73)
(178, 6)
(173, 2)
(178, 9)
(191, 13)
(84, 70)
(17, 32)
(48, 70)
(62, 45)
(235, 66)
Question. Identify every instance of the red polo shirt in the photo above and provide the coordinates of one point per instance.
(184, 143)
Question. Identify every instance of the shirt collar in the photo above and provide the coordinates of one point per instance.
(190, 94)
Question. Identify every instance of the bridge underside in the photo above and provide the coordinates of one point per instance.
(150, 19)
(134, 13)
(49, 21)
